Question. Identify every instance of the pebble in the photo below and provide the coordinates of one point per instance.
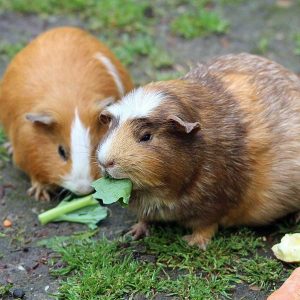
(21, 268)
(18, 293)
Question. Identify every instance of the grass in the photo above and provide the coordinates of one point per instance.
(163, 264)
(297, 44)
(197, 20)
(3, 152)
(9, 50)
(262, 46)
(128, 27)
(2, 136)
(5, 289)
(44, 7)
(127, 16)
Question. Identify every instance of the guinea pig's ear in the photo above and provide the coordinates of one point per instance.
(40, 118)
(182, 125)
(105, 117)
(103, 103)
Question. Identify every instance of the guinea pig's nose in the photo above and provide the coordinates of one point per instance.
(110, 164)
(107, 165)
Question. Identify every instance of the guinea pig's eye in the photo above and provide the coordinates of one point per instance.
(146, 137)
(62, 152)
(105, 117)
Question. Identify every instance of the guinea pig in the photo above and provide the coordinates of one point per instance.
(51, 97)
(220, 146)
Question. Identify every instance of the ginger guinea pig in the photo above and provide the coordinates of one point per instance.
(51, 97)
(220, 146)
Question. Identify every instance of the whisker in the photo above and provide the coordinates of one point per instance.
(142, 171)
(80, 152)
(61, 192)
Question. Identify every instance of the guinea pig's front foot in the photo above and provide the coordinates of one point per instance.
(139, 230)
(39, 191)
(201, 236)
(9, 148)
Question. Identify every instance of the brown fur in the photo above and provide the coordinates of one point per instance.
(241, 167)
(55, 73)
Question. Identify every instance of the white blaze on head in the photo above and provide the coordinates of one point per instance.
(111, 69)
(137, 104)
(79, 180)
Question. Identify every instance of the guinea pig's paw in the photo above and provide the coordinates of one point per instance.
(139, 230)
(201, 236)
(39, 192)
(197, 240)
(9, 148)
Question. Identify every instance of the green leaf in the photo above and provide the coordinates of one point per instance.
(85, 210)
(111, 190)
(90, 215)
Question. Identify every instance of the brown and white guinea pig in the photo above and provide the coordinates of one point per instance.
(51, 97)
(220, 146)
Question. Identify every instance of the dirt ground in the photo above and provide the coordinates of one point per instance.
(21, 261)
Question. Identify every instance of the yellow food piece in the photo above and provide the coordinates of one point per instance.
(288, 249)
(7, 223)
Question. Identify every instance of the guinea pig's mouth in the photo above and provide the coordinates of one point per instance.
(113, 173)
(116, 173)
(117, 176)
(135, 186)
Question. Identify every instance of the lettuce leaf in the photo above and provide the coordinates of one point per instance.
(111, 190)
(84, 210)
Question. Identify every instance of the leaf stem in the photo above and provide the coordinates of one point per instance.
(58, 211)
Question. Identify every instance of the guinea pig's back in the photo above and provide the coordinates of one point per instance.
(60, 66)
(267, 94)
(268, 98)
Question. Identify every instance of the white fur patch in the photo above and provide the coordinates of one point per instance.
(79, 180)
(103, 149)
(112, 71)
(137, 104)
